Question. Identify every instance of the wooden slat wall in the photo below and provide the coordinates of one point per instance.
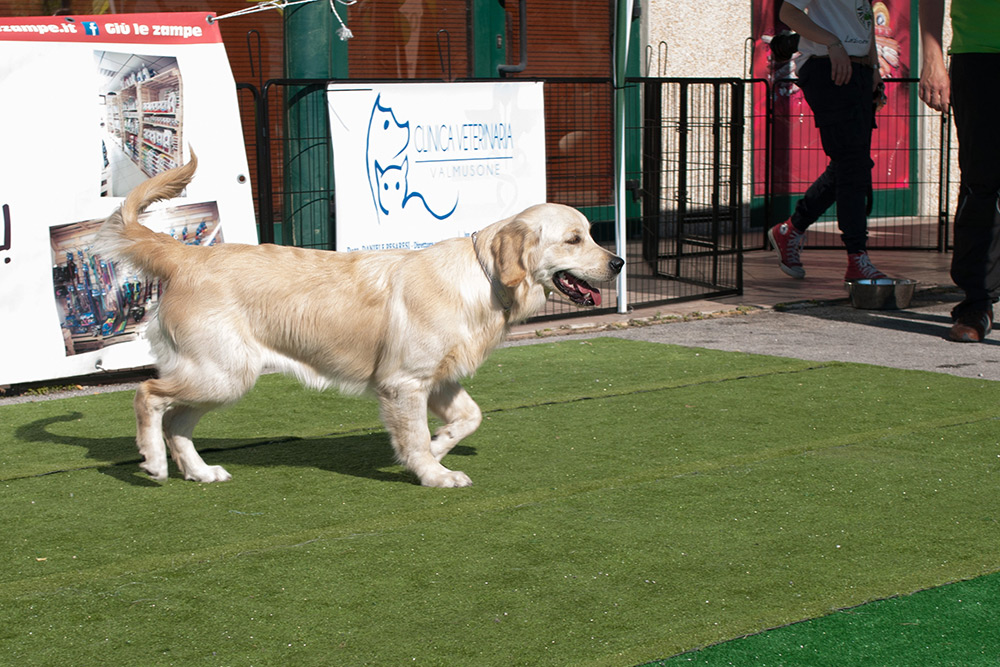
(565, 38)
(408, 40)
(572, 39)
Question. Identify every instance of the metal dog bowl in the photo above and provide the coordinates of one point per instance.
(881, 294)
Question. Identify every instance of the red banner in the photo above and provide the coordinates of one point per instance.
(152, 29)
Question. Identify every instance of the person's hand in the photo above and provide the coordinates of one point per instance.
(935, 86)
(840, 63)
(878, 91)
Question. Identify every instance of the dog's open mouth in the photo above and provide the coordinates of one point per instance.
(577, 289)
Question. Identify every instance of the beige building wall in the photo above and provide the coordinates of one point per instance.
(695, 39)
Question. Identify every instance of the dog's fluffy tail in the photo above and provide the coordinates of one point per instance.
(123, 237)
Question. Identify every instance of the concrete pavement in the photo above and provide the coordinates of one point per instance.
(809, 319)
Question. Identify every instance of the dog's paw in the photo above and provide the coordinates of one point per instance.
(209, 474)
(157, 471)
(449, 479)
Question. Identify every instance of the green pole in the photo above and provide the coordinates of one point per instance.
(489, 38)
(312, 51)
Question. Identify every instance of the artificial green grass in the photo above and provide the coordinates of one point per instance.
(631, 501)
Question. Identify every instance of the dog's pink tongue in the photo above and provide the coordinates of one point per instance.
(588, 295)
(578, 290)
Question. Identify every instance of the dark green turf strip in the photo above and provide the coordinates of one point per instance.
(950, 625)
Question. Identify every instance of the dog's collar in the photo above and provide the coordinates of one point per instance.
(504, 299)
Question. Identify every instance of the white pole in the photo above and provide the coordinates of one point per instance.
(623, 27)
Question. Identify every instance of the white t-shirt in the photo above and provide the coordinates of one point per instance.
(849, 20)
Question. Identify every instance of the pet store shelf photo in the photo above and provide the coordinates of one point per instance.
(143, 114)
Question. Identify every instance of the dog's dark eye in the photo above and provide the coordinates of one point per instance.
(574, 240)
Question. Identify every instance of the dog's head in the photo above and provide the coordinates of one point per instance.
(550, 246)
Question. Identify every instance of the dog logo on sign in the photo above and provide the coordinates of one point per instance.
(388, 167)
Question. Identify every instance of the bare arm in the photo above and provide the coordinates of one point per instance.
(935, 86)
(799, 21)
(873, 59)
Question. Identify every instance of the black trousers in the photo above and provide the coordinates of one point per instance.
(975, 100)
(845, 118)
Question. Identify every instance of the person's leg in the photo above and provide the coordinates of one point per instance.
(820, 196)
(975, 261)
(814, 81)
(788, 237)
(844, 120)
(975, 267)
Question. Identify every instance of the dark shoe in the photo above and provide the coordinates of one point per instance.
(787, 241)
(971, 326)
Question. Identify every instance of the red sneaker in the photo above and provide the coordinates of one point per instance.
(860, 267)
(787, 242)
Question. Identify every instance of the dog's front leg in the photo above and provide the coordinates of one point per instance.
(178, 427)
(460, 413)
(404, 413)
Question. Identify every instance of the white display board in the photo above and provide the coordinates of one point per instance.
(92, 106)
(415, 163)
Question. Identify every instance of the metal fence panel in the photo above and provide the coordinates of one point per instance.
(688, 177)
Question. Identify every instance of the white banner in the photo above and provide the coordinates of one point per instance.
(415, 163)
(92, 106)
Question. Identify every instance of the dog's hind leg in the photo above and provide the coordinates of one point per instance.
(460, 413)
(150, 406)
(167, 410)
(178, 425)
(404, 413)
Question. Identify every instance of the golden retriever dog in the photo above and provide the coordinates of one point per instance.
(405, 325)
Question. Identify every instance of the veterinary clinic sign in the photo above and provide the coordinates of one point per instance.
(417, 163)
(93, 106)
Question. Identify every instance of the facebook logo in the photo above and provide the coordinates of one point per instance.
(91, 28)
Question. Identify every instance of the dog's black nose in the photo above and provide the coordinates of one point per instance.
(616, 264)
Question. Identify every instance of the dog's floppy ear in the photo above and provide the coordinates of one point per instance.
(509, 247)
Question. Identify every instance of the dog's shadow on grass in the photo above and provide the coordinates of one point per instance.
(368, 455)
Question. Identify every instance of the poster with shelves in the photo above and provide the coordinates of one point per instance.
(142, 96)
(95, 105)
(101, 303)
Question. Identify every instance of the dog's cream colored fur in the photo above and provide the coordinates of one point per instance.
(405, 325)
